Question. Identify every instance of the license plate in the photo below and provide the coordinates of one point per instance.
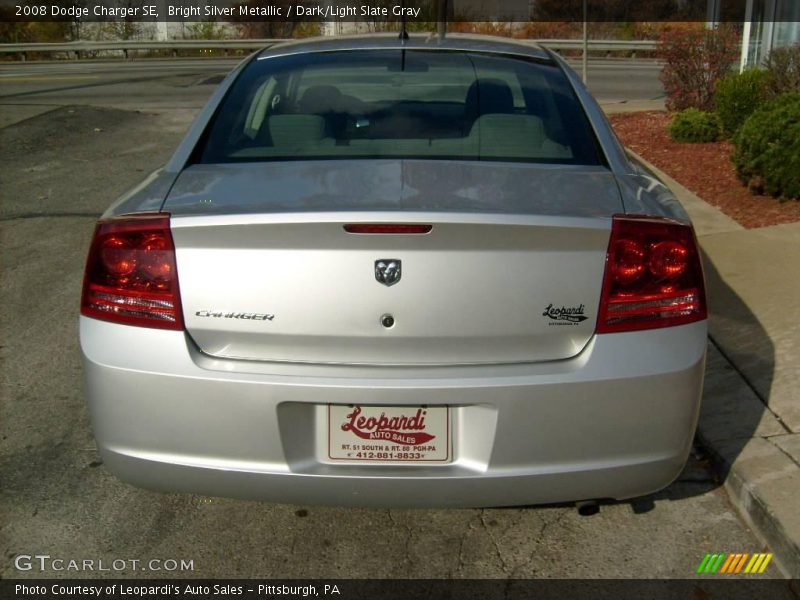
(389, 434)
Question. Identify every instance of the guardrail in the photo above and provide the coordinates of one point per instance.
(128, 46)
(131, 46)
(602, 45)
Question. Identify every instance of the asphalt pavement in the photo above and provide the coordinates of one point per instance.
(61, 168)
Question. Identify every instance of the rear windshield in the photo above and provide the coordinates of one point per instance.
(400, 104)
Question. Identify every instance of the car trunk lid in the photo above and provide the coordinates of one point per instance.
(510, 271)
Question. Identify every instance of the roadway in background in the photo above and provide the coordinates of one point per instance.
(152, 84)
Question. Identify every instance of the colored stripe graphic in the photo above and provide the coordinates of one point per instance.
(740, 564)
(765, 563)
(718, 564)
(703, 563)
(727, 563)
(734, 563)
(754, 562)
(715, 562)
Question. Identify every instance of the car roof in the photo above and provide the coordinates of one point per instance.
(430, 41)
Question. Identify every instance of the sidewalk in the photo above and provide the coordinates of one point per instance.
(750, 417)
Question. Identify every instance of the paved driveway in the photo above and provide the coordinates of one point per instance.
(60, 170)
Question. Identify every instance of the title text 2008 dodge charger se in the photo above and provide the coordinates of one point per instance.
(397, 273)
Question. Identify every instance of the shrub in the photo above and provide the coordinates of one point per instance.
(767, 155)
(738, 95)
(694, 60)
(694, 126)
(783, 65)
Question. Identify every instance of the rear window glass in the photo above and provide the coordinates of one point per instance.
(400, 104)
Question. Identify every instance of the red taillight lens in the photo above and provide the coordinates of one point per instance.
(130, 273)
(668, 259)
(629, 264)
(653, 276)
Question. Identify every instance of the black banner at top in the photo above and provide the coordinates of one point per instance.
(368, 11)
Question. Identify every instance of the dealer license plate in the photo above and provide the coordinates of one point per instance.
(389, 434)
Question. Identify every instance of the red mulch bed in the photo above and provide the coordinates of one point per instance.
(705, 169)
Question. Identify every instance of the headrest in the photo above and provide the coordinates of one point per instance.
(287, 130)
(319, 99)
(486, 96)
(509, 134)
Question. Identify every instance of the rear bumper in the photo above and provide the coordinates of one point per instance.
(617, 421)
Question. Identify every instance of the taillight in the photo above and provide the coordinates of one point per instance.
(653, 276)
(130, 274)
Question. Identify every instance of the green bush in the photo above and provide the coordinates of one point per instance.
(783, 65)
(738, 96)
(694, 126)
(767, 155)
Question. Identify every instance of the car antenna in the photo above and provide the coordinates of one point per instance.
(403, 33)
(403, 37)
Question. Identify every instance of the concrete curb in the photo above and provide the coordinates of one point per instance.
(768, 504)
(753, 449)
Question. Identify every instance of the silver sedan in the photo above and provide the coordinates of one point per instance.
(396, 272)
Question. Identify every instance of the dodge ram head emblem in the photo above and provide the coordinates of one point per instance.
(387, 271)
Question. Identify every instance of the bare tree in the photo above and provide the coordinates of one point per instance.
(125, 28)
(279, 28)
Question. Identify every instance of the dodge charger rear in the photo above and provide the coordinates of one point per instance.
(396, 273)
